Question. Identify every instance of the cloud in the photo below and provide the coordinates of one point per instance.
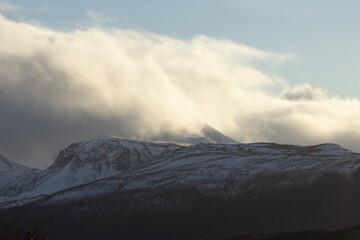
(99, 18)
(8, 7)
(59, 87)
(304, 92)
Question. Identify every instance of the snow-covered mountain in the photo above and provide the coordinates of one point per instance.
(207, 134)
(109, 163)
(85, 162)
(228, 170)
(10, 170)
(166, 187)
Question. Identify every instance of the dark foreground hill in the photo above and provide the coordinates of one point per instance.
(345, 234)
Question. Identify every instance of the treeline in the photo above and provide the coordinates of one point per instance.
(13, 230)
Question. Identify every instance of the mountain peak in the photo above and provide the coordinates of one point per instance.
(5, 164)
(215, 136)
(87, 161)
(207, 134)
(9, 169)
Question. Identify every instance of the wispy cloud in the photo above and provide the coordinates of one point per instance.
(98, 18)
(58, 87)
(8, 7)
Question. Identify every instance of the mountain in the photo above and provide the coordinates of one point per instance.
(207, 134)
(10, 170)
(224, 168)
(81, 163)
(172, 191)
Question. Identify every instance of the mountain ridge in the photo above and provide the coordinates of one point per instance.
(163, 186)
(204, 165)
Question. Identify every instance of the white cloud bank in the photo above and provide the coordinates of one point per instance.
(58, 87)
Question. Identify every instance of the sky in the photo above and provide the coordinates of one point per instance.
(277, 70)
